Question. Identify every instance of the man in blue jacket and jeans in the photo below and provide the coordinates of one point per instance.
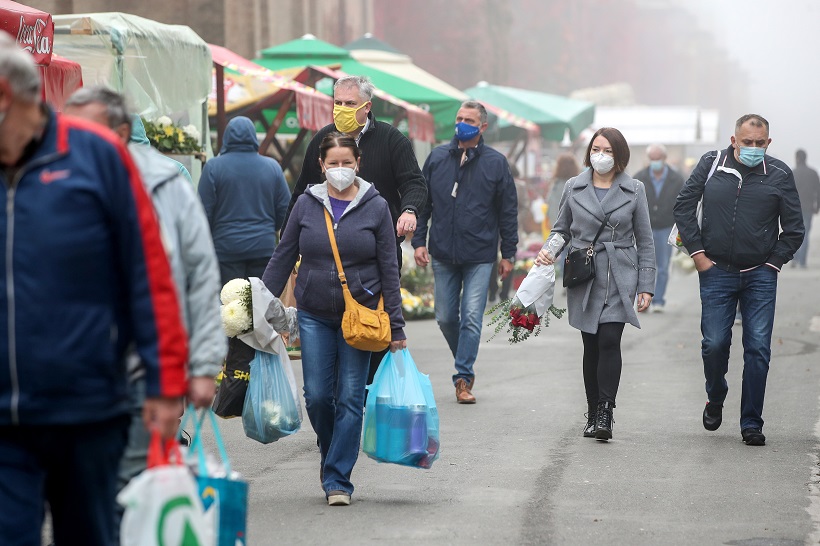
(85, 276)
(471, 200)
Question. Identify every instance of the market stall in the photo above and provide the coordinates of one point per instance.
(256, 89)
(34, 32)
(309, 50)
(164, 70)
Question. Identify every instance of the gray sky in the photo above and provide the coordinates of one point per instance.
(778, 43)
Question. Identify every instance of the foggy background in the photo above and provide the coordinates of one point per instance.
(777, 44)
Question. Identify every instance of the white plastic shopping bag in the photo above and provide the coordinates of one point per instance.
(163, 506)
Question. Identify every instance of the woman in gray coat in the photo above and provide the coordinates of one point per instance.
(624, 264)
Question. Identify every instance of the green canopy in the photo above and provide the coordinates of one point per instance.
(553, 114)
(308, 50)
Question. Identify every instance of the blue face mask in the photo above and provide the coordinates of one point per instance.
(751, 157)
(656, 165)
(465, 131)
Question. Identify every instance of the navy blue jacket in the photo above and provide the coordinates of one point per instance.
(751, 216)
(83, 276)
(366, 242)
(465, 228)
(245, 196)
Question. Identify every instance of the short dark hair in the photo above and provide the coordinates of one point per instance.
(800, 156)
(620, 149)
(755, 119)
(338, 140)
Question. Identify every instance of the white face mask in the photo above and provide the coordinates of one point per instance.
(340, 177)
(601, 162)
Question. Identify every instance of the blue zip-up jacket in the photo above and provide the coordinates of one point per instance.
(465, 227)
(245, 196)
(84, 275)
(366, 242)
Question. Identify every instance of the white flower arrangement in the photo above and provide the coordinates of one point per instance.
(191, 131)
(236, 311)
(164, 121)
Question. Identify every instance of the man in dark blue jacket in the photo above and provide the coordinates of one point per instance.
(752, 225)
(246, 199)
(85, 276)
(471, 199)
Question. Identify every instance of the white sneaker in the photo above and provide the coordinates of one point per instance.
(656, 308)
(338, 498)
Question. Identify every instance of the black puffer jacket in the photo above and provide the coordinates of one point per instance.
(751, 216)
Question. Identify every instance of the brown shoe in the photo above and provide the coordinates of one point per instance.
(463, 394)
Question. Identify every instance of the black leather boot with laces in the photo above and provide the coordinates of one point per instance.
(589, 428)
(604, 421)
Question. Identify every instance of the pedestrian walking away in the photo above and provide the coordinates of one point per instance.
(86, 277)
(388, 163)
(662, 183)
(606, 204)
(471, 202)
(752, 225)
(245, 198)
(335, 373)
(187, 243)
(565, 168)
(808, 187)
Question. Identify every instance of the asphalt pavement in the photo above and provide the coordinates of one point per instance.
(515, 469)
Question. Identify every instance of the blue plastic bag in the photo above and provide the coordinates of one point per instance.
(401, 420)
(223, 493)
(272, 408)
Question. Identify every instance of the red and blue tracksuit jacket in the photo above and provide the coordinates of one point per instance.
(83, 275)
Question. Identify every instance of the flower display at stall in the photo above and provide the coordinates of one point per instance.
(172, 139)
(236, 309)
(417, 307)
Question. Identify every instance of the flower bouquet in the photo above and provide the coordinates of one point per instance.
(528, 311)
(237, 307)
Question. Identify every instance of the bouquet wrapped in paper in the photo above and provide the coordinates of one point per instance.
(528, 311)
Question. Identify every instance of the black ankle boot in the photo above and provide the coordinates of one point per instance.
(589, 428)
(603, 421)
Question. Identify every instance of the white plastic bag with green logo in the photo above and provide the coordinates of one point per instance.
(162, 504)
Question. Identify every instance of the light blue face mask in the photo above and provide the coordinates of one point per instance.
(656, 165)
(751, 157)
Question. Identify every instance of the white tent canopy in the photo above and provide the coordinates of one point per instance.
(672, 125)
(162, 69)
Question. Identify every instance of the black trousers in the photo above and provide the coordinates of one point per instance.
(242, 269)
(602, 363)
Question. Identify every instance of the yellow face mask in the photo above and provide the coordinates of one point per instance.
(344, 118)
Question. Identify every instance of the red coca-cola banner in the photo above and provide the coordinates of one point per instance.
(33, 29)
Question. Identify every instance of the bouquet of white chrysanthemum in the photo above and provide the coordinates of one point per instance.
(237, 310)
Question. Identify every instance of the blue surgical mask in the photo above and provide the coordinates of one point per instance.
(751, 157)
(465, 131)
(656, 164)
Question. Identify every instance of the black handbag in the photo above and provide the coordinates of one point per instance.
(579, 265)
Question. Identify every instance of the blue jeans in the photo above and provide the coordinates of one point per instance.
(461, 295)
(663, 253)
(720, 292)
(803, 252)
(335, 375)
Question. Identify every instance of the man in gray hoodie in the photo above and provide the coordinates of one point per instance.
(187, 241)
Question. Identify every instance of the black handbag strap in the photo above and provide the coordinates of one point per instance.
(600, 230)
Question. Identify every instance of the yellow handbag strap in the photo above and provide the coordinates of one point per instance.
(342, 278)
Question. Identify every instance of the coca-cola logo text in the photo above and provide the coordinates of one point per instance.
(30, 37)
